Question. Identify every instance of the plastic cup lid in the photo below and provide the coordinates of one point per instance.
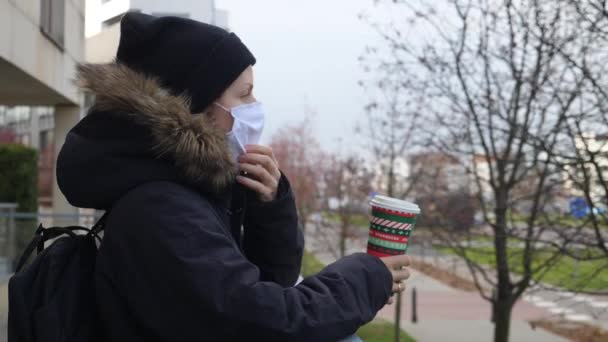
(395, 204)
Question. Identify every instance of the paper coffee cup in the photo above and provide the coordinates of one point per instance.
(391, 226)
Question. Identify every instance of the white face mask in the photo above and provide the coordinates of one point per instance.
(247, 128)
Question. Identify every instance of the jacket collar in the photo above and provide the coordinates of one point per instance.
(199, 152)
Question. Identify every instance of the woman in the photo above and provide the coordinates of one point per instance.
(191, 251)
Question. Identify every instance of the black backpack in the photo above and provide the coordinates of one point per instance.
(52, 299)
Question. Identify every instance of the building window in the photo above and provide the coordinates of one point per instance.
(52, 20)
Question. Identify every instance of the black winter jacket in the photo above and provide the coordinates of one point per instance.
(187, 254)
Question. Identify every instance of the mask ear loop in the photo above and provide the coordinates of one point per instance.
(233, 118)
(224, 108)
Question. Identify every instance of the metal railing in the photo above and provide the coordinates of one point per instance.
(17, 229)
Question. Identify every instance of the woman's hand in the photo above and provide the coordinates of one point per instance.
(396, 265)
(262, 171)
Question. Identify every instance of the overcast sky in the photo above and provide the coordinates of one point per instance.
(306, 54)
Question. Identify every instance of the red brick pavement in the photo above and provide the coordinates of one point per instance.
(458, 305)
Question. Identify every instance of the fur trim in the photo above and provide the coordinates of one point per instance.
(199, 151)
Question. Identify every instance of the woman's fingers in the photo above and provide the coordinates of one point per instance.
(399, 275)
(266, 161)
(397, 288)
(260, 174)
(396, 264)
(396, 261)
(252, 184)
(266, 150)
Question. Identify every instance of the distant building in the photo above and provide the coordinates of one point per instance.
(441, 186)
(437, 173)
(586, 144)
(526, 185)
(480, 176)
(422, 172)
(103, 20)
(400, 174)
(41, 41)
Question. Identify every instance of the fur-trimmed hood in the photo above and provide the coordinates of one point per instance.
(137, 132)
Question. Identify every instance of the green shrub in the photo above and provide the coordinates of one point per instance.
(19, 176)
(19, 184)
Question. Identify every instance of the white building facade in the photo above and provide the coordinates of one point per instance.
(103, 13)
(41, 41)
(103, 20)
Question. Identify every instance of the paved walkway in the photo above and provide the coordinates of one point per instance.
(444, 313)
(557, 303)
(447, 314)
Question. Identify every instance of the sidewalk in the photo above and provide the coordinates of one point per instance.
(447, 314)
(558, 304)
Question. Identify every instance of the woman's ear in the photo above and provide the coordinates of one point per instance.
(209, 113)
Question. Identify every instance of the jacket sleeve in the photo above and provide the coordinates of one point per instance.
(187, 271)
(272, 239)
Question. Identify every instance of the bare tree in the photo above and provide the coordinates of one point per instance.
(298, 153)
(497, 89)
(592, 13)
(392, 116)
(585, 153)
(442, 189)
(348, 185)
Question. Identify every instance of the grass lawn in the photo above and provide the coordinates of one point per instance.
(380, 330)
(377, 330)
(566, 272)
(563, 220)
(310, 264)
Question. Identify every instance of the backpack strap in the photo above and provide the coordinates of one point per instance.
(100, 224)
(30, 248)
(41, 235)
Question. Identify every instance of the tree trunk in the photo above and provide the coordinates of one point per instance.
(303, 222)
(502, 304)
(391, 180)
(343, 240)
(502, 314)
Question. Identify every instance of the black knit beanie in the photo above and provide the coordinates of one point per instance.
(187, 56)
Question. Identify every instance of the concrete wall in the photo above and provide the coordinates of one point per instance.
(37, 71)
(201, 10)
(101, 48)
(34, 70)
(102, 40)
(98, 11)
